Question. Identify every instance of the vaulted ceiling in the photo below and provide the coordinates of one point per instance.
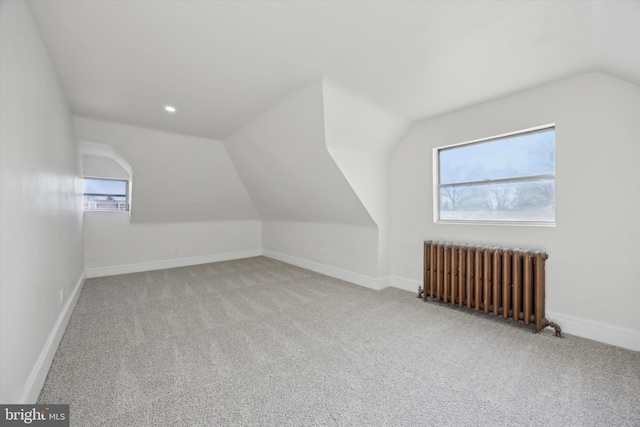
(223, 63)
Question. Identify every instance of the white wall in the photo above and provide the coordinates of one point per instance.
(359, 136)
(340, 250)
(368, 174)
(115, 246)
(593, 271)
(284, 163)
(41, 251)
(188, 206)
(308, 207)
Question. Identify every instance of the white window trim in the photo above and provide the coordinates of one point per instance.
(436, 185)
(104, 150)
(127, 196)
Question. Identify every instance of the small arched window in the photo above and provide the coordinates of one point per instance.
(102, 194)
(108, 178)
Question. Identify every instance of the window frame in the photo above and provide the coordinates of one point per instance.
(437, 186)
(127, 195)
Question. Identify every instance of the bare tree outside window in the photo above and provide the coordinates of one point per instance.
(504, 179)
(454, 197)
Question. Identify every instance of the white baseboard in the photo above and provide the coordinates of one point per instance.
(169, 263)
(597, 331)
(38, 374)
(584, 328)
(338, 273)
(405, 284)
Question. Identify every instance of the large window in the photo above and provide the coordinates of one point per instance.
(102, 194)
(505, 179)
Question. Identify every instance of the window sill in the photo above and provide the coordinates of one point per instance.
(500, 223)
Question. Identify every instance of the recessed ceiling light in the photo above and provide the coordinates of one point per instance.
(170, 108)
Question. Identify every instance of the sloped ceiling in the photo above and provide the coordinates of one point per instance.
(283, 161)
(222, 63)
(176, 178)
(359, 137)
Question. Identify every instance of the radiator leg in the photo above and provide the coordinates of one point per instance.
(556, 327)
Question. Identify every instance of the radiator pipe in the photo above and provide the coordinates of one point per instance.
(554, 326)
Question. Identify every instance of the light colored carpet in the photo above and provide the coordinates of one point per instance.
(257, 342)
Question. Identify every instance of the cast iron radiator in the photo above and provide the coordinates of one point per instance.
(501, 281)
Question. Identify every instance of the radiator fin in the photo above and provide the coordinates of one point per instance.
(499, 281)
